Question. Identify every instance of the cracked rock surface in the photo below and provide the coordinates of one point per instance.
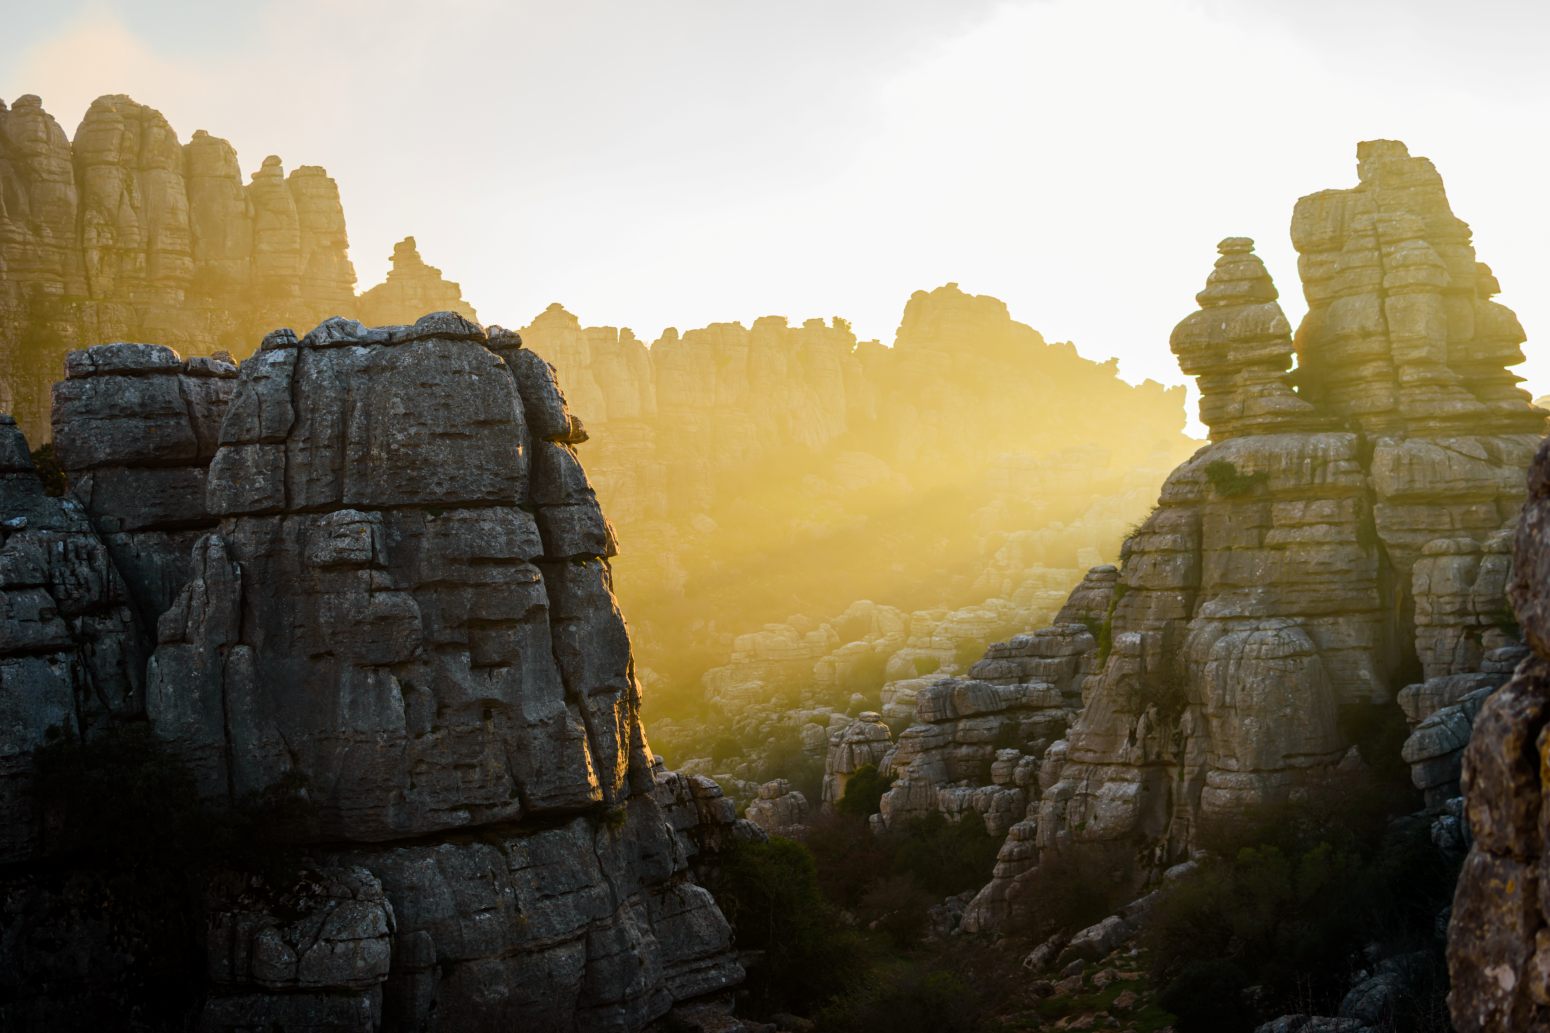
(389, 597)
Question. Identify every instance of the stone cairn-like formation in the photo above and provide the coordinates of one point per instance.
(1339, 545)
(124, 234)
(411, 286)
(372, 570)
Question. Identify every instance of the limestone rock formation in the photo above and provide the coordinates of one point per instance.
(779, 809)
(1499, 934)
(72, 655)
(311, 954)
(1401, 334)
(1338, 546)
(411, 287)
(135, 428)
(850, 748)
(398, 609)
(976, 746)
(125, 234)
(1239, 349)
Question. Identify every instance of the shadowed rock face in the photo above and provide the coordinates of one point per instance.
(135, 429)
(396, 595)
(1499, 934)
(125, 234)
(1338, 545)
(72, 656)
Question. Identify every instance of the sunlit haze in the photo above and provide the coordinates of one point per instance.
(676, 163)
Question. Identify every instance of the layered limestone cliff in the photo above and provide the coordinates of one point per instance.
(1337, 548)
(376, 578)
(125, 234)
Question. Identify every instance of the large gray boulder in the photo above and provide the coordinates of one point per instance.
(376, 577)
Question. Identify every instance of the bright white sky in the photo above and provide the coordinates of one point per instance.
(674, 162)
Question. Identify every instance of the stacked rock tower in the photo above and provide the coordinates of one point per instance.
(1339, 546)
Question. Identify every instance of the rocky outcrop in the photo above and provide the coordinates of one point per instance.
(977, 741)
(411, 288)
(399, 612)
(1337, 546)
(1499, 934)
(135, 429)
(1239, 349)
(859, 744)
(1401, 334)
(72, 655)
(125, 234)
(779, 809)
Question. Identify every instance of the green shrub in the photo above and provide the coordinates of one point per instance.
(1167, 691)
(896, 905)
(1105, 640)
(909, 999)
(968, 652)
(1069, 891)
(1207, 994)
(1291, 914)
(944, 857)
(849, 857)
(925, 665)
(864, 792)
(1229, 482)
(769, 893)
(725, 748)
(865, 676)
(49, 471)
(1140, 525)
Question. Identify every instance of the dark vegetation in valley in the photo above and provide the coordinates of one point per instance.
(844, 923)
(127, 847)
(1281, 915)
(1294, 902)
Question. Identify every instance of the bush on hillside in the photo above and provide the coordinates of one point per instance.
(944, 857)
(1291, 907)
(769, 893)
(920, 998)
(864, 792)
